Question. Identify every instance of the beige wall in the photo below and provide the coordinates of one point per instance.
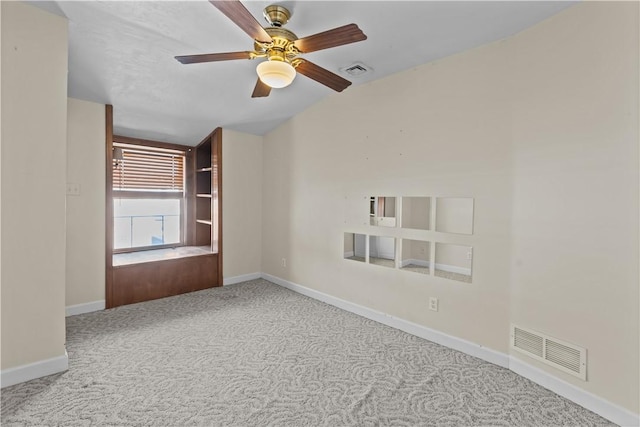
(416, 213)
(241, 203)
(34, 123)
(348, 243)
(85, 268)
(575, 218)
(437, 129)
(541, 130)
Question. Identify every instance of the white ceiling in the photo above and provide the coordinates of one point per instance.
(122, 53)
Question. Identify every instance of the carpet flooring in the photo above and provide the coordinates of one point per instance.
(417, 269)
(256, 354)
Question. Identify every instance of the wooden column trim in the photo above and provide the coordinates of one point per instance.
(190, 197)
(218, 139)
(150, 143)
(109, 207)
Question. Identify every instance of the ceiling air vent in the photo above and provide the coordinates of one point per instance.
(554, 352)
(356, 70)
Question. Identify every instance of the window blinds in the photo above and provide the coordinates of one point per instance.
(145, 168)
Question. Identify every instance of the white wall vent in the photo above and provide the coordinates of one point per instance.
(559, 354)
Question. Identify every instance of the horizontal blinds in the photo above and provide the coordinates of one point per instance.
(145, 168)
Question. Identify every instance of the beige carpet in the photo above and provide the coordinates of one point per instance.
(256, 354)
(417, 269)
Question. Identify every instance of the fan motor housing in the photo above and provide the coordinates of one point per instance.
(282, 47)
(279, 32)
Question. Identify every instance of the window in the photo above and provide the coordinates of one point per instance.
(148, 197)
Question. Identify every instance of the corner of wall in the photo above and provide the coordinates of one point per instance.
(33, 155)
(241, 203)
(85, 213)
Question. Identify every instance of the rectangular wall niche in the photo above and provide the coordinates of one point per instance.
(422, 225)
(416, 213)
(382, 211)
(416, 256)
(454, 262)
(355, 247)
(454, 215)
(382, 251)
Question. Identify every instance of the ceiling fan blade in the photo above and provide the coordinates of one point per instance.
(213, 57)
(239, 14)
(261, 90)
(322, 75)
(331, 38)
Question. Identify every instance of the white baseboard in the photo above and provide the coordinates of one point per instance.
(453, 269)
(596, 404)
(602, 407)
(88, 307)
(418, 262)
(242, 278)
(24, 373)
(384, 255)
(349, 254)
(395, 322)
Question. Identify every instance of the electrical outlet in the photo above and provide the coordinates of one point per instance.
(469, 255)
(284, 262)
(73, 189)
(433, 304)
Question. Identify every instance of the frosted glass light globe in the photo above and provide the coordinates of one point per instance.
(276, 74)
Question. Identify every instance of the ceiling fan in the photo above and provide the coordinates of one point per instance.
(280, 47)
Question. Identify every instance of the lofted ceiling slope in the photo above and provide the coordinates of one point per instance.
(122, 53)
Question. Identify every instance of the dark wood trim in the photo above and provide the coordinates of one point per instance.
(160, 279)
(127, 194)
(151, 143)
(109, 207)
(190, 198)
(128, 284)
(207, 137)
(218, 148)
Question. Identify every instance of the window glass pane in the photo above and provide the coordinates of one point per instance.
(145, 222)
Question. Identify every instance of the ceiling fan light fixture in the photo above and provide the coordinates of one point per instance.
(276, 74)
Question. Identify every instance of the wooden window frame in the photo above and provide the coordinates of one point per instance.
(128, 284)
(112, 194)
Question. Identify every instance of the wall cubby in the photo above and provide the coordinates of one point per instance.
(432, 218)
